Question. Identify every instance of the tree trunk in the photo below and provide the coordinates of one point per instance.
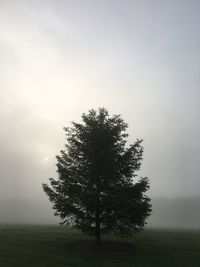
(98, 230)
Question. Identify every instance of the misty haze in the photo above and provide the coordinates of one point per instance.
(136, 58)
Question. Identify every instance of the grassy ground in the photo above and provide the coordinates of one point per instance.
(54, 246)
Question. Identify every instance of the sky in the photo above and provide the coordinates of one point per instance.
(138, 58)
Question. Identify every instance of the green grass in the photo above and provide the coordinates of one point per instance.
(54, 246)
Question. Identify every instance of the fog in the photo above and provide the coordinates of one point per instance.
(137, 58)
(177, 213)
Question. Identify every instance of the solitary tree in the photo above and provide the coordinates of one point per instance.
(95, 190)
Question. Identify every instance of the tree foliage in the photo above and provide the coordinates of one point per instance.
(97, 189)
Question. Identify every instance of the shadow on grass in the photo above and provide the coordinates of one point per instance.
(107, 248)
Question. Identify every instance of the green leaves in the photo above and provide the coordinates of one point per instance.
(95, 190)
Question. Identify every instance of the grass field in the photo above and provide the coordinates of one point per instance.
(54, 246)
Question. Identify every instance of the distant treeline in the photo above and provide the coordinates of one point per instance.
(167, 212)
(175, 212)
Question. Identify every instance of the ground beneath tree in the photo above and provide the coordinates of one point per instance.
(50, 246)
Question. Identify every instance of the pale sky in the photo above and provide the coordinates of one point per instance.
(138, 58)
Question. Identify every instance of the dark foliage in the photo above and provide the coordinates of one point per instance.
(95, 190)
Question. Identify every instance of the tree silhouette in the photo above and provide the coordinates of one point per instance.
(95, 190)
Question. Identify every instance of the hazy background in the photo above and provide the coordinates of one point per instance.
(139, 58)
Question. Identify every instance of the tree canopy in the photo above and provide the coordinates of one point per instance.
(97, 189)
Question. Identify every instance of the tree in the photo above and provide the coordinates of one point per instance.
(95, 190)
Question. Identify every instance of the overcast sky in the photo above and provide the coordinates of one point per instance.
(139, 58)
